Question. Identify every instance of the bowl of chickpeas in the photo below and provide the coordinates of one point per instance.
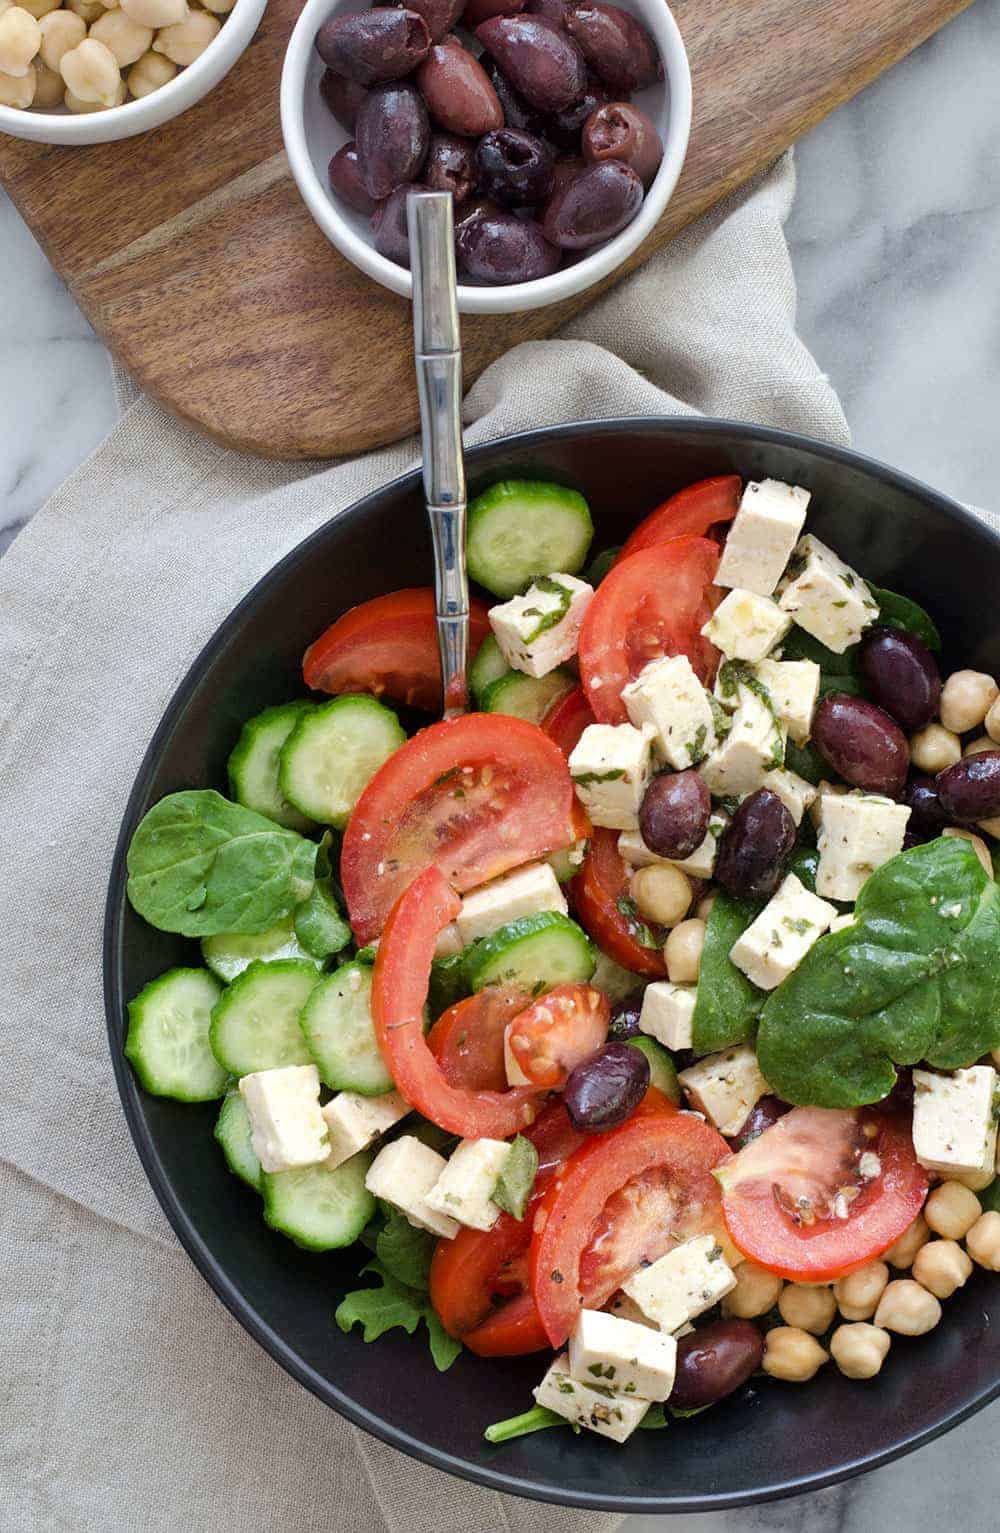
(87, 72)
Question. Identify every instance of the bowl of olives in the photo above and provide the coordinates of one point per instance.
(559, 126)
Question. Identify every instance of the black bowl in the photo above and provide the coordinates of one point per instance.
(772, 1439)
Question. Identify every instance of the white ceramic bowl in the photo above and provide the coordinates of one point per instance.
(312, 136)
(152, 111)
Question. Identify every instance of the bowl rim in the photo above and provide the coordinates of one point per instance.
(519, 296)
(114, 1002)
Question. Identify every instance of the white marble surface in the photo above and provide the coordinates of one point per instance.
(895, 236)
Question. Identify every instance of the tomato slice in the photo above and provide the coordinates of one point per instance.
(597, 892)
(467, 1039)
(557, 1032)
(694, 510)
(474, 796)
(388, 646)
(653, 603)
(621, 1200)
(567, 719)
(780, 1193)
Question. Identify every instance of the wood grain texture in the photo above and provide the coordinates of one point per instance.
(194, 258)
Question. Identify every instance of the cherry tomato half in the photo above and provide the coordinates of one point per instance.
(694, 510)
(557, 1032)
(599, 893)
(467, 1039)
(567, 719)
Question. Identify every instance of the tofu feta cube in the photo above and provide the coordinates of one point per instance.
(541, 629)
(354, 1122)
(633, 1359)
(464, 1190)
(403, 1173)
(842, 922)
(795, 793)
(763, 535)
(611, 767)
(725, 1087)
(595, 1406)
(779, 938)
(746, 626)
(682, 1284)
(667, 1013)
(825, 596)
(667, 697)
(287, 1128)
(858, 832)
(755, 744)
(525, 892)
(627, 1309)
(954, 1127)
(449, 941)
(794, 689)
(701, 863)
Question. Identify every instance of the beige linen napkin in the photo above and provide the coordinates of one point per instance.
(132, 1400)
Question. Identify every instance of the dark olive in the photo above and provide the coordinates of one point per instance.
(541, 63)
(619, 131)
(594, 206)
(673, 817)
(372, 46)
(346, 182)
(389, 226)
(755, 846)
(457, 91)
(552, 11)
(343, 97)
(862, 743)
(625, 1016)
(901, 675)
(501, 248)
(565, 128)
(514, 168)
(563, 171)
(478, 11)
(762, 1116)
(927, 817)
(970, 790)
(471, 209)
(606, 1088)
(615, 45)
(392, 137)
(440, 15)
(516, 111)
(451, 166)
(713, 1361)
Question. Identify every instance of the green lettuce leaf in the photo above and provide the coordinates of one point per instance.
(393, 1305)
(727, 1005)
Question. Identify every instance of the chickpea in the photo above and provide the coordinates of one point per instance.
(934, 748)
(992, 721)
(906, 1247)
(859, 1350)
(20, 40)
(703, 909)
(952, 1210)
(80, 108)
(941, 1267)
(907, 1308)
(806, 1308)
(966, 699)
(755, 1293)
(984, 743)
(662, 893)
(858, 1293)
(218, 7)
(39, 8)
(49, 87)
(89, 10)
(983, 1241)
(187, 41)
(979, 846)
(123, 36)
(18, 90)
(156, 13)
(977, 1180)
(792, 1355)
(149, 73)
(91, 72)
(5, 5)
(61, 31)
(683, 952)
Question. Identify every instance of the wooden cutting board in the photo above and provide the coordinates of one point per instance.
(194, 258)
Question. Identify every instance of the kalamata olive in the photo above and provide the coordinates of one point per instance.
(343, 97)
(901, 675)
(516, 111)
(673, 816)
(541, 63)
(346, 182)
(514, 168)
(862, 743)
(927, 817)
(565, 128)
(392, 137)
(473, 208)
(372, 46)
(478, 11)
(619, 131)
(755, 846)
(451, 166)
(501, 248)
(763, 1115)
(615, 45)
(552, 11)
(565, 170)
(458, 94)
(713, 1361)
(593, 206)
(389, 226)
(440, 15)
(625, 1016)
(970, 790)
(606, 1088)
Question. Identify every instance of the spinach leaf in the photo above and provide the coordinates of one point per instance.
(319, 925)
(378, 1310)
(838, 673)
(804, 863)
(727, 1004)
(916, 976)
(517, 1178)
(535, 1420)
(900, 612)
(404, 1251)
(200, 865)
(807, 761)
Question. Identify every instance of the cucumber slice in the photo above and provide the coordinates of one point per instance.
(253, 765)
(319, 925)
(521, 528)
(232, 1130)
(662, 1071)
(336, 1024)
(255, 1024)
(168, 1036)
(333, 753)
(227, 955)
(527, 697)
(616, 982)
(536, 952)
(488, 666)
(449, 982)
(567, 862)
(319, 1208)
